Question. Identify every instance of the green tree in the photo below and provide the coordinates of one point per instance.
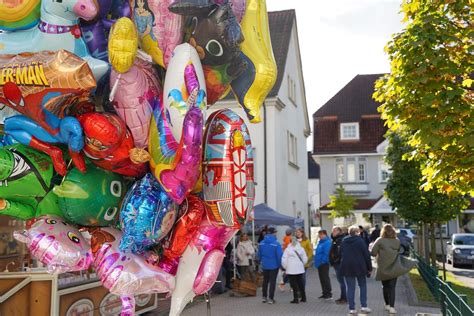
(430, 207)
(342, 204)
(429, 90)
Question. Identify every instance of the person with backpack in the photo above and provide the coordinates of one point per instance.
(335, 261)
(321, 262)
(293, 261)
(270, 253)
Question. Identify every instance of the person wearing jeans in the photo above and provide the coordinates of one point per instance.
(270, 253)
(321, 262)
(356, 265)
(335, 261)
(386, 249)
(351, 287)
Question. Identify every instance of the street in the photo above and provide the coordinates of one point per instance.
(464, 274)
(223, 304)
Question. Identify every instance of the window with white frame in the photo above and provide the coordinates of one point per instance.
(384, 172)
(349, 131)
(292, 149)
(340, 170)
(353, 169)
(291, 90)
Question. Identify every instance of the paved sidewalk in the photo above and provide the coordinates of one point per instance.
(224, 305)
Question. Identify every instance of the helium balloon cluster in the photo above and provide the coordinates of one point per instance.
(104, 141)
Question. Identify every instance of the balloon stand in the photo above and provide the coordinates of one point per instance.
(112, 157)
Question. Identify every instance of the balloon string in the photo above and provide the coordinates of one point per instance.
(114, 88)
(68, 166)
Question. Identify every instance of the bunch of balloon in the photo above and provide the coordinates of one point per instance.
(137, 185)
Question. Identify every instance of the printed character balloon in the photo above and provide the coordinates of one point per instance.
(252, 86)
(215, 33)
(228, 163)
(126, 274)
(109, 145)
(212, 29)
(44, 89)
(139, 88)
(176, 129)
(90, 199)
(147, 215)
(200, 263)
(58, 29)
(56, 244)
(159, 29)
(26, 179)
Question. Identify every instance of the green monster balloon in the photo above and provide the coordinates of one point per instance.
(91, 199)
(26, 180)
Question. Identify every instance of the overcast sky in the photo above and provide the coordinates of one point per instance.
(340, 39)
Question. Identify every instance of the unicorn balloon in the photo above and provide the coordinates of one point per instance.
(58, 28)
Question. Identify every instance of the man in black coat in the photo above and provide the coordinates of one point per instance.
(375, 233)
(356, 265)
(335, 260)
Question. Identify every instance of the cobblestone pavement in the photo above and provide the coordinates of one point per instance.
(225, 305)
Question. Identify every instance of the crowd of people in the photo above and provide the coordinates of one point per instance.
(347, 250)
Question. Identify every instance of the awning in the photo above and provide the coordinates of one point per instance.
(265, 215)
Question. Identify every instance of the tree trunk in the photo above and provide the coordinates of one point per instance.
(421, 248)
(426, 243)
(442, 251)
(432, 245)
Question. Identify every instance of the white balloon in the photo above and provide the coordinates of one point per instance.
(183, 55)
(187, 271)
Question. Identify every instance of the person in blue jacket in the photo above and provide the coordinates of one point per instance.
(321, 262)
(270, 253)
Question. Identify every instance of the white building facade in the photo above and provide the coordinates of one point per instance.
(279, 141)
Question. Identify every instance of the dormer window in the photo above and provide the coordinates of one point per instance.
(349, 131)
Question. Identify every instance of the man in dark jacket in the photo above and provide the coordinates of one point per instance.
(335, 261)
(356, 265)
(375, 233)
(364, 235)
(270, 253)
(321, 262)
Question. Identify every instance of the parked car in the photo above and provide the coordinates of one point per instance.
(405, 243)
(407, 232)
(460, 250)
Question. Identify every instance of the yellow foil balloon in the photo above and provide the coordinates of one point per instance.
(123, 45)
(253, 86)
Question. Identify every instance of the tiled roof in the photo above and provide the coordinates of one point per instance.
(352, 101)
(281, 23)
(361, 204)
(313, 168)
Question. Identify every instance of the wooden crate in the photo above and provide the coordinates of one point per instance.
(247, 288)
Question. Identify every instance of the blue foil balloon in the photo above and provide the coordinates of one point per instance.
(147, 215)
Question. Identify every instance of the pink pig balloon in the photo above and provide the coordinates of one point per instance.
(56, 244)
(138, 88)
(126, 274)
